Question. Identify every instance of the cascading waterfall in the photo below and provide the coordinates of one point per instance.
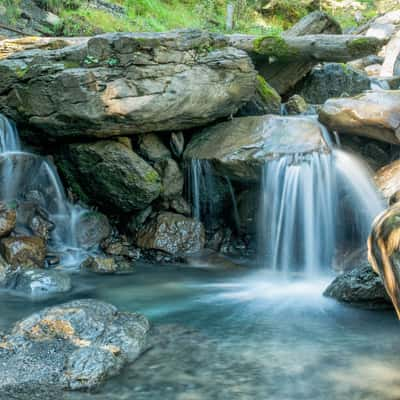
(26, 177)
(311, 203)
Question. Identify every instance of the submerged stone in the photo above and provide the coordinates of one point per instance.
(238, 148)
(373, 114)
(172, 233)
(41, 283)
(106, 265)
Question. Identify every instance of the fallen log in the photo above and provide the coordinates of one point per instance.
(334, 48)
(284, 75)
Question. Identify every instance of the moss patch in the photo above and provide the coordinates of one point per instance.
(274, 46)
(363, 45)
(266, 91)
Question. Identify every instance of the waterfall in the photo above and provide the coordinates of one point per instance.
(310, 203)
(27, 177)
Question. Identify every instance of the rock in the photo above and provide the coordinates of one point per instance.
(361, 63)
(247, 206)
(177, 143)
(391, 56)
(41, 227)
(24, 251)
(40, 283)
(171, 177)
(72, 346)
(172, 233)
(373, 114)
(120, 247)
(122, 84)
(180, 206)
(239, 147)
(373, 70)
(360, 287)
(137, 220)
(106, 265)
(266, 100)
(388, 179)
(383, 251)
(296, 105)
(333, 80)
(113, 176)
(152, 148)
(92, 228)
(8, 219)
(381, 31)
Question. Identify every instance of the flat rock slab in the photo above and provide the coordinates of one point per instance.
(239, 147)
(126, 83)
(373, 114)
(73, 346)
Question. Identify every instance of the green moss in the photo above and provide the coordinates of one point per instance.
(71, 64)
(274, 46)
(266, 91)
(363, 45)
(21, 72)
(152, 177)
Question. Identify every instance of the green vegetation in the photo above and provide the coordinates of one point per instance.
(261, 17)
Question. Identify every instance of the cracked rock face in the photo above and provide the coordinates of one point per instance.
(76, 345)
(126, 83)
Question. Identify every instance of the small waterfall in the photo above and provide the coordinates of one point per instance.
(29, 178)
(309, 204)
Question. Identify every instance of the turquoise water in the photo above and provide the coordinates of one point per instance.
(241, 335)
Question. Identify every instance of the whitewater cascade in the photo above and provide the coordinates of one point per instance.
(27, 177)
(314, 207)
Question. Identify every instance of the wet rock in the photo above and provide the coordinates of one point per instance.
(360, 287)
(266, 100)
(92, 228)
(73, 346)
(373, 114)
(248, 203)
(171, 177)
(113, 176)
(239, 147)
(172, 233)
(39, 283)
(8, 219)
(180, 206)
(296, 105)
(152, 148)
(41, 227)
(106, 265)
(177, 143)
(333, 80)
(120, 247)
(24, 251)
(122, 84)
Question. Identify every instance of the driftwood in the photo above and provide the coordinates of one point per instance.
(335, 48)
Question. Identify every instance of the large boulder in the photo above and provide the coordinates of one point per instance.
(239, 147)
(333, 80)
(126, 83)
(360, 287)
(373, 114)
(172, 233)
(73, 346)
(113, 176)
